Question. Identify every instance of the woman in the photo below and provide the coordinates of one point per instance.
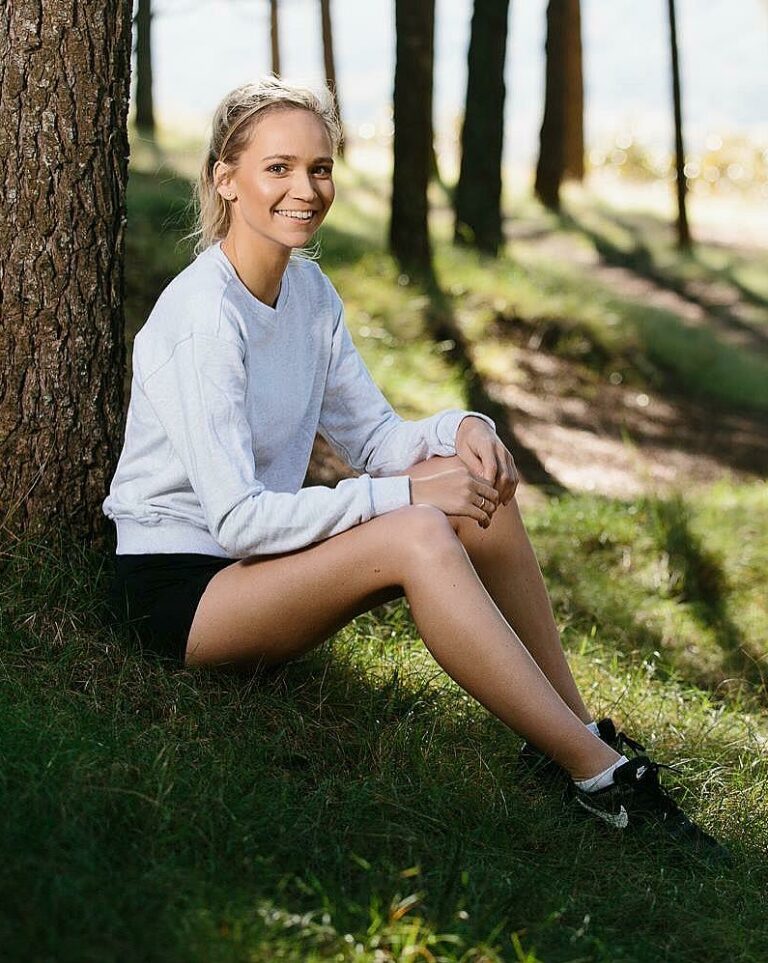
(223, 558)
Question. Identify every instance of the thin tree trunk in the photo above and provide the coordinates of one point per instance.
(408, 229)
(574, 94)
(274, 37)
(329, 59)
(145, 111)
(64, 89)
(551, 166)
(683, 231)
(477, 202)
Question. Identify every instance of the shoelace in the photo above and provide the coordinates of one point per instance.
(624, 740)
(668, 804)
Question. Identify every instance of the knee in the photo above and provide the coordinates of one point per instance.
(424, 531)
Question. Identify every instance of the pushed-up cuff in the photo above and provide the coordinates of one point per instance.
(390, 493)
(449, 425)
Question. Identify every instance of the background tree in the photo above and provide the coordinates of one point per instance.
(64, 88)
(562, 138)
(574, 94)
(477, 201)
(329, 60)
(683, 232)
(408, 228)
(274, 37)
(145, 111)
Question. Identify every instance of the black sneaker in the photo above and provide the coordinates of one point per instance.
(544, 768)
(636, 799)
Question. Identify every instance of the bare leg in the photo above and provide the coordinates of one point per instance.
(268, 609)
(506, 563)
(496, 663)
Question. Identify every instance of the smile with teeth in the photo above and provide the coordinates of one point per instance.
(297, 215)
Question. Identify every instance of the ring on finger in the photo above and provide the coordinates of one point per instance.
(482, 501)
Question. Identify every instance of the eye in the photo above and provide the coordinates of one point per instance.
(324, 169)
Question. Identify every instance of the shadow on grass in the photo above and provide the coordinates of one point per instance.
(441, 323)
(641, 261)
(613, 595)
(702, 583)
(212, 814)
(164, 813)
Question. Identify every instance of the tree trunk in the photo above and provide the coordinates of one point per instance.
(329, 60)
(551, 166)
(683, 232)
(64, 89)
(145, 110)
(274, 37)
(408, 229)
(574, 94)
(477, 202)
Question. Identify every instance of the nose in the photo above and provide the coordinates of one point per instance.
(302, 187)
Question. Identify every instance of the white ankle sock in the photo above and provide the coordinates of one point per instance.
(592, 726)
(602, 779)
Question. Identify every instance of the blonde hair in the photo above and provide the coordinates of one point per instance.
(231, 129)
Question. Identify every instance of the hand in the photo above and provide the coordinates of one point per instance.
(481, 450)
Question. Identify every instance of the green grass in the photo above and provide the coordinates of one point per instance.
(197, 815)
(356, 805)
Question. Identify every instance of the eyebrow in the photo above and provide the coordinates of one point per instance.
(293, 157)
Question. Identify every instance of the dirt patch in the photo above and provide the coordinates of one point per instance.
(617, 440)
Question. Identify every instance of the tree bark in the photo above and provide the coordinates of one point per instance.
(683, 231)
(574, 94)
(274, 37)
(64, 89)
(549, 170)
(408, 229)
(329, 60)
(145, 109)
(477, 201)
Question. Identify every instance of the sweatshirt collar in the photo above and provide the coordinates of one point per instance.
(264, 310)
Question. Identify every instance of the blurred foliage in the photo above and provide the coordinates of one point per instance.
(731, 164)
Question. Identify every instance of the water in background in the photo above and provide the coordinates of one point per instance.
(205, 47)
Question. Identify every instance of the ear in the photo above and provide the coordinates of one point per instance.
(222, 180)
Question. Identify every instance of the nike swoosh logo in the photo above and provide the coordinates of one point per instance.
(619, 820)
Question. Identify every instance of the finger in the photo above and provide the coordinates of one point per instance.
(502, 477)
(490, 465)
(480, 515)
(510, 479)
(486, 504)
(507, 481)
(514, 475)
(484, 501)
(503, 484)
(485, 497)
(473, 463)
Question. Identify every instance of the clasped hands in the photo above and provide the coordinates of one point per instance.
(485, 455)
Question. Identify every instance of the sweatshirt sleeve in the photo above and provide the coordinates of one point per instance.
(360, 424)
(199, 398)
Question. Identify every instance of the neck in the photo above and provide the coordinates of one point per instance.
(260, 266)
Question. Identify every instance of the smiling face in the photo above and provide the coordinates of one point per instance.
(281, 186)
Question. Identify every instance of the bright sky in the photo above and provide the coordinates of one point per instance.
(203, 48)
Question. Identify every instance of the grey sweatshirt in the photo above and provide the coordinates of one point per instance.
(226, 397)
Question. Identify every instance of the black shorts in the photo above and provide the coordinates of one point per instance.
(156, 595)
